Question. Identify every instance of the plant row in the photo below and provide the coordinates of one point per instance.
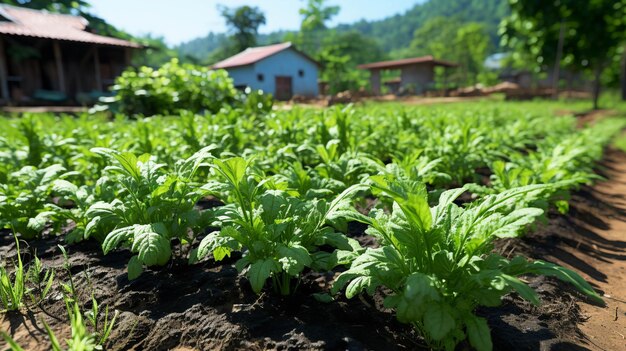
(444, 186)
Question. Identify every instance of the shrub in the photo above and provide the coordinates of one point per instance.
(174, 87)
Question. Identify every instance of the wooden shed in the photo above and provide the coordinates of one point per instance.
(417, 75)
(48, 58)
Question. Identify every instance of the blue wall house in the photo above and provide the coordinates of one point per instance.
(277, 69)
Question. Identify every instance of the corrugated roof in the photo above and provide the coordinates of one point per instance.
(407, 62)
(254, 55)
(43, 24)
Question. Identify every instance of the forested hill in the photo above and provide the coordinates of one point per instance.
(393, 33)
(396, 32)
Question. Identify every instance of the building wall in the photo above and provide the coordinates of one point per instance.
(243, 76)
(285, 63)
(417, 78)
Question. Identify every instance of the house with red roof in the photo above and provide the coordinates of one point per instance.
(49, 58)
(279, 69)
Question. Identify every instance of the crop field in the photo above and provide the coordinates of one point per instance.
(378, 226)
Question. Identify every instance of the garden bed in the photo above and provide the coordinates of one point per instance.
(209, 306)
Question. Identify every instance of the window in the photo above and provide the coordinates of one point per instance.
(260, 77)
(300, 73)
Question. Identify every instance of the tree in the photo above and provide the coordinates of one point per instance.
(467, 44)
(155, 54)
(244, 23)
(74, 7)
(594, 31)
(313, 26)
(340, 53)
(315, 15)
(472, 47)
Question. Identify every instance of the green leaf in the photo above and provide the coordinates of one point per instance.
(419, 293)
(38, 223)
(152, 244)
(91, 226)
(220, 252)
(63, 187)
(9, 340)
(357, 285)
(323, 297)
(446, 199)
(294, 258)
(478, 333)
(272, 201)
(134, 268)
(438, 320)
(567, 275)
(522, 289)
(510, 225)
(128, 161)
(234, 169)
(114, 238)
(167, 186)
(259, 272)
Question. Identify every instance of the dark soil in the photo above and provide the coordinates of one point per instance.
(210, 306)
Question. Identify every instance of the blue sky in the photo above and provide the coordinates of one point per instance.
(182, 20)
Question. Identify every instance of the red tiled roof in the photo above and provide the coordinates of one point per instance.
(254, 55)
(42, 24)
(407, 62)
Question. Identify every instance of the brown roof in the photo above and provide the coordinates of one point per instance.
(407, 62)
(254, 55)
(43, 24)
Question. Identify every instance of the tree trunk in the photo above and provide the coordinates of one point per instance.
(557, 62)
(623, 74)
(596, 85)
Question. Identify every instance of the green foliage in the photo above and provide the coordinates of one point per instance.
(446, 38)
(82, 338)
(24, 200)
(316, 14)
(13, 290)
(288, 183)
(34, 282)
(244, 22)
(153, 206)
(592, 35)
(280, 234)
(155, 52)
(171, 88)
(562, 162)
(438, 261)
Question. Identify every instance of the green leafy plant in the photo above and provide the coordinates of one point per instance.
(41, 279)
(153, 207)
(83, 337)
(438, 262)
(175, 87)
(13, 289)
(25, 200)
(279, 234)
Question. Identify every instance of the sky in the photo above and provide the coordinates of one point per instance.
(182, 20)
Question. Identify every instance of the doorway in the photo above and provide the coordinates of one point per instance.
(284, 88)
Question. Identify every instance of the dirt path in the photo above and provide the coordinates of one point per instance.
(591, 239)
(605, 328)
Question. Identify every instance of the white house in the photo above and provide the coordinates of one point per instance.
(277, 69)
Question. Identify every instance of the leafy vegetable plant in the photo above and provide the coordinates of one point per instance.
(279, 234)
(438, 262)
(25, 200)
(153, 207)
